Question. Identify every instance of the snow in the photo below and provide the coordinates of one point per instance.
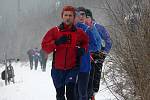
(36, 85)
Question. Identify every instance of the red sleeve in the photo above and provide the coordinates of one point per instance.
(48, 42)
(84, 39)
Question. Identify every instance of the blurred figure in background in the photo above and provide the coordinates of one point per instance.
(43, 60)
(30, 54)
(36, 57)
(10, 71)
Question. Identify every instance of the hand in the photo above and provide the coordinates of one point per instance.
(61, 40)
(80, 51)
(102, 55)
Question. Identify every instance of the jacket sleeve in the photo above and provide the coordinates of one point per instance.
(48, 41)
(92, 41)
(105, 36)
(84, 40)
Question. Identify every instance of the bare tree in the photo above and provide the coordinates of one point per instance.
(131, 48)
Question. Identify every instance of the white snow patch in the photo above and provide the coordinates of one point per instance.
(36, 85)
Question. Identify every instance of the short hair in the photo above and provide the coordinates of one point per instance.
(68, 8)
(80, 9)
(89, 13)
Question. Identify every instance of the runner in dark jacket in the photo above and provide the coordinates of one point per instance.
(43, 60)
(30, 54)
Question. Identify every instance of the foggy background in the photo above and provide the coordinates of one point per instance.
(23, 23)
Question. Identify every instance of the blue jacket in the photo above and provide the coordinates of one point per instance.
(97, 37)
(93, 43)
(85, 65)
(106, 41)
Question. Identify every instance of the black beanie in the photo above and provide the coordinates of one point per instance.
(89, 13)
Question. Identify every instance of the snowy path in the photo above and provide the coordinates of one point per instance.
(35, 85)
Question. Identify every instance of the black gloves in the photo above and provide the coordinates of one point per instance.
(80, 51)
(61, 40)
(100, 55)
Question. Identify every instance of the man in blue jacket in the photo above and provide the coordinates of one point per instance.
(85, 64)
(98, 57)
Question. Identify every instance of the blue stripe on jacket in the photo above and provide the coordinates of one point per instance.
(85, 65)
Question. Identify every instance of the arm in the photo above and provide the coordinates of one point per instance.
(93, 47)
(84, 40)
(92, 43)
(105, 36)
(48, 42)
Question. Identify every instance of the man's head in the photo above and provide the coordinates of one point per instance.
(89, 13)
(68, 15)
(89, 17)
(81, 14)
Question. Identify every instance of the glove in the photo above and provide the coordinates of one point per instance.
(95, 55)
(80, 51)
(102, 55)
(61, 40)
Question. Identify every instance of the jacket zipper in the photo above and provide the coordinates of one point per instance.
(66, 57)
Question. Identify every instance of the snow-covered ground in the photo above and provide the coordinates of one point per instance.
(36, 85)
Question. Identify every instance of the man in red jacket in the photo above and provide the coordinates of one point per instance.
(67, 43)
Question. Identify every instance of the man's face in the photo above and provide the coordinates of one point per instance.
(68, 17)
(81, 16)
(88, 20)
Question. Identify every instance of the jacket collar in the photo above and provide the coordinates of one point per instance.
(64, 27)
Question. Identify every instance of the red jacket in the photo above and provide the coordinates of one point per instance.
(65, 54)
